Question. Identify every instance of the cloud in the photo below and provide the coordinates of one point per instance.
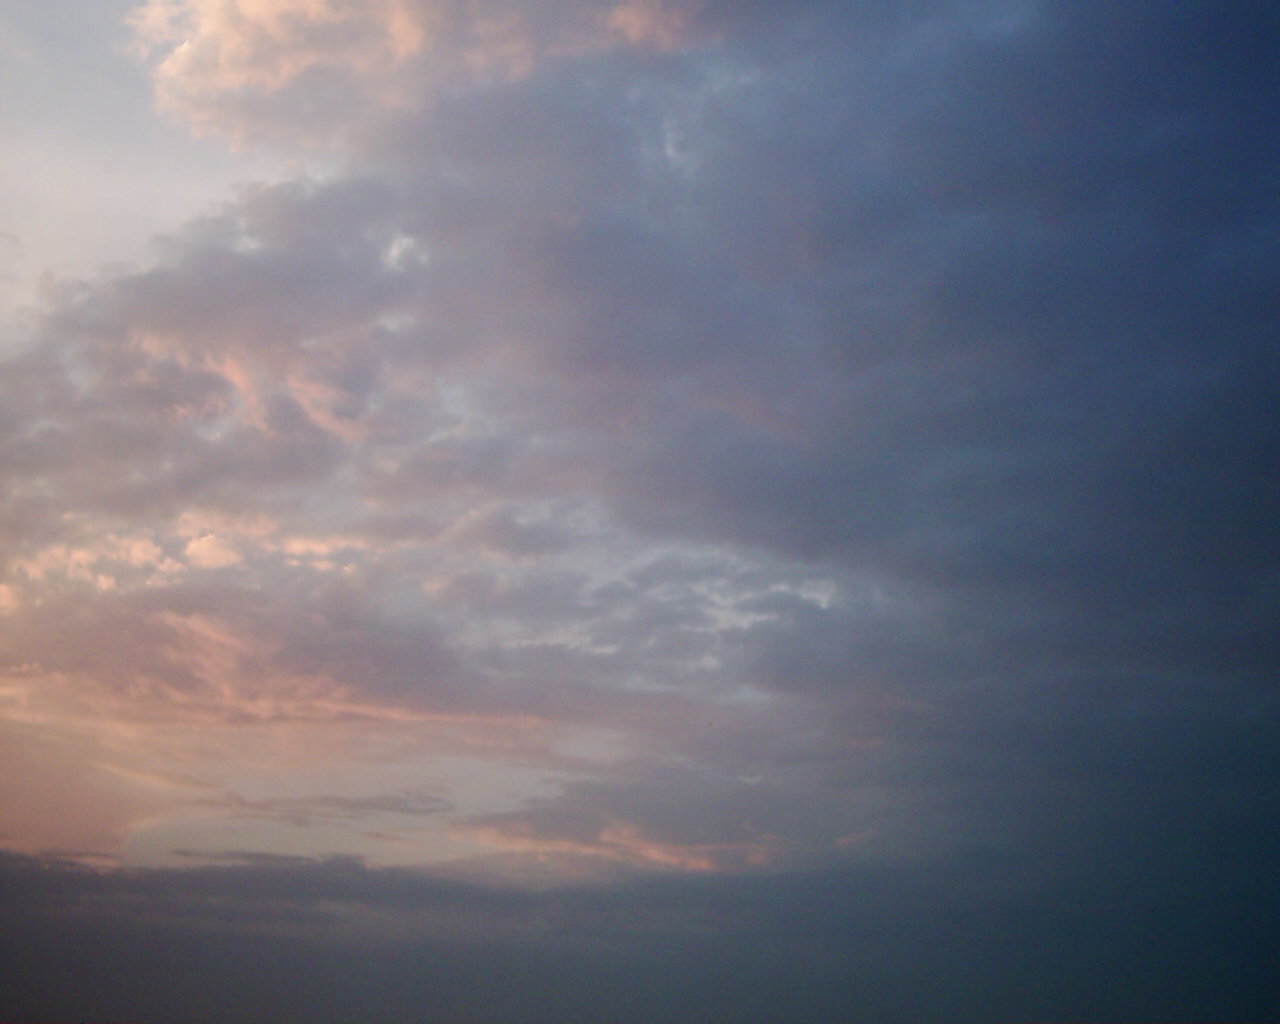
(211, 552)
(55, 797)
(795, 482)
(217, 58)
(310, 71)
(650, 22)
(314, 386)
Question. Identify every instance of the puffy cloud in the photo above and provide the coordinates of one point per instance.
(312, 70)
(219, 58)
(212, 552)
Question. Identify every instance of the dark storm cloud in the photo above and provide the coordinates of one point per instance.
(343, 941)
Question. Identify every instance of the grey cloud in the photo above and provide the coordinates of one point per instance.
(685, 816)
(286, 267)
(306, 811)
(864, 416)
(821, 944)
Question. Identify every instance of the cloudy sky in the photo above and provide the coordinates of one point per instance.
(644, 511)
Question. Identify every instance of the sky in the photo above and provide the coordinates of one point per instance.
(647, 511)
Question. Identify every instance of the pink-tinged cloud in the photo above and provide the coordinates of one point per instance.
(209, 551)
(805, 469)
(215, 58)
(311, 70)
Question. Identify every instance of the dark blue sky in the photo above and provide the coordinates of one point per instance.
(649, 511)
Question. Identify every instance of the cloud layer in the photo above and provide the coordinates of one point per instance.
(723, 452)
